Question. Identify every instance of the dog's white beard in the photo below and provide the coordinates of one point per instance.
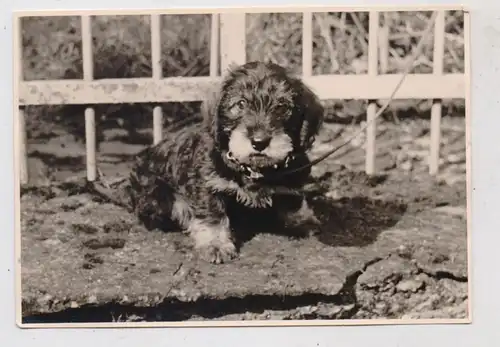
(241, 147)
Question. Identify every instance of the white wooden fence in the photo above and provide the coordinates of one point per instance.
(228, 46)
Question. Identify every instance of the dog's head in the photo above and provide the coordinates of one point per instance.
(261, 115)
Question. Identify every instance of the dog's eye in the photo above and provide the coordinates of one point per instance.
(242, 104)
(281, 108)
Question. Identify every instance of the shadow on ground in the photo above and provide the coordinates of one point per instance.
(357, 221)
(346, 222)
(174, 310)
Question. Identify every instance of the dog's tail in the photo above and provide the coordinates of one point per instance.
(112, 192)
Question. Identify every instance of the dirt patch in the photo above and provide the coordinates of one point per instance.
(89, 261)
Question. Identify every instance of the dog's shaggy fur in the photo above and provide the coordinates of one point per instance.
(259, 123)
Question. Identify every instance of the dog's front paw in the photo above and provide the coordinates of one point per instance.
(218, 254)
(313, 225)
(303, 218)
(213, 241)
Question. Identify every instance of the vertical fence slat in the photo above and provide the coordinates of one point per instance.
(467, 76)
(88, 61)
(90, 142)
(157, 74)
(18, 32)
(436, 110)
(88, 75)
(307, 44)
(372, 105)
(435, 137)
(232, 39)
(21, 121)
(383, 42)
(157, 124)
(214, 45)
(23, 154)
(156, 46)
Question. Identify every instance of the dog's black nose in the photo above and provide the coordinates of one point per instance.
(259, 143)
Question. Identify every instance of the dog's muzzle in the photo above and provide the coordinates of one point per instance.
(254, 174)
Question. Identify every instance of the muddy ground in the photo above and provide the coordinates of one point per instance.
(392, 246)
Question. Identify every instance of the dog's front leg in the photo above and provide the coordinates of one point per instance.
(211, 232)
(298, 214)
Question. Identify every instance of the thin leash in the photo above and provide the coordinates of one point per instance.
(425, 36)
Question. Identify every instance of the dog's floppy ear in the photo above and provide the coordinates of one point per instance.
(210, 106)
(311, 111)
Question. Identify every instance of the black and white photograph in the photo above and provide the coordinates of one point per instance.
(242, 166)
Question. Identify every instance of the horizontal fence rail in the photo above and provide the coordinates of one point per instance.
(183, 89)
(228, 46)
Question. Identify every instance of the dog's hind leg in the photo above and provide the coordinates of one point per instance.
(153, 201)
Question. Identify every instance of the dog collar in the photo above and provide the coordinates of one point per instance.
(254, 174)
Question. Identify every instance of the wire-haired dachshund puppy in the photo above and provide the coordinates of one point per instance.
(257, 126)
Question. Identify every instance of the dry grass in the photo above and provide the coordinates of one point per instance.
(122, 48)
